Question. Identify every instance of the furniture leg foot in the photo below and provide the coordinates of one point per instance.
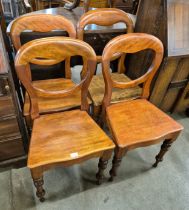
(115, 164)
(102, 166)
(40, 192)
(164, 148)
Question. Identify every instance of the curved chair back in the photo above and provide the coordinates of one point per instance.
(131, 43)
(40, 23)
(54, 50)
(104, 17)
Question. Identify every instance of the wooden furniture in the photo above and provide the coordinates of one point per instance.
(136, 123)
(126, 5)
(71, 136)
(96, 36)
(13, 138)
(168, 20)
(45, 23)
(103, 17)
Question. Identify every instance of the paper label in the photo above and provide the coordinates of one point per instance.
(74, 155)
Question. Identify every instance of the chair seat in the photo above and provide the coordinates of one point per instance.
(97, 88)
(49, 105)
(138, 122)
(64, 136)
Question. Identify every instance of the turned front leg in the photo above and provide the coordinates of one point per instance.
(119, 153)
(102, 165)
(38, 183)
(164, 148)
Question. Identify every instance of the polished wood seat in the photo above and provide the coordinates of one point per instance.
(55, 104)
(56, 146)
(46, 23)
(97, 88)
(63, 138)
(146, 125)
(136, 123)
(103, 17)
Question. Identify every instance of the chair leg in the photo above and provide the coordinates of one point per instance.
(164, 148)
(119, 153)
(103, 162)
(38, 183)
(96, 112)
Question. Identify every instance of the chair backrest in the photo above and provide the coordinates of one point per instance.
(106, 17)
(55, 50)
(131, 43)
(103, 17)
(40, 23)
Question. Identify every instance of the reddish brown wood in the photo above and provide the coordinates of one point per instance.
(39, 23)
(72, 136)
(136, 123)
(46, 23)
(103, 17)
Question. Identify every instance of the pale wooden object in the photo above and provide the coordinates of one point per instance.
(63, 138)
(136, 123)
(107, 17)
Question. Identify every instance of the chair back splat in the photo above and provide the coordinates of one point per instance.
(104, 17)
(131, 43)
(50, 51)
(40, 23)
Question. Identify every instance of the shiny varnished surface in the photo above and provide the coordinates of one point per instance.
(75, 15)
(103, 17)
(39, 23)
(68, 133)
(138, 123)
(48, 105)
(131, 43)
(63, 138)
(64, 48)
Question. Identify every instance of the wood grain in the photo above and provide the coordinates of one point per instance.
(54, 104)
(139, 123)
(178, 32)
(131, 43)
(40, 23)
(62, 46)
(103, 17)
(67, 133)
(135, 123)
(70, 137)
(75, 15)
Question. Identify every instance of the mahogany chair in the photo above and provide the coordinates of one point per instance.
(46, 23)
(107, 17)
(136, 123)
(63, 138)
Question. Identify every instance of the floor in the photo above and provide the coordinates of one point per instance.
(138, 185)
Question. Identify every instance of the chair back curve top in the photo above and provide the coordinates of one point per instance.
(131, 43)
(50, 51)
(104, 17)
(39, 23)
